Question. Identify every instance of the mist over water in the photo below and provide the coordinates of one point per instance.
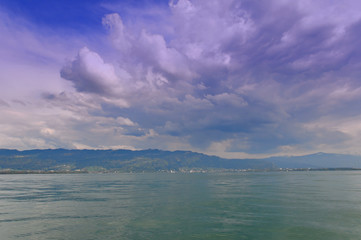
(277, 205)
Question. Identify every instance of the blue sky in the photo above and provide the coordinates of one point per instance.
(230, 78)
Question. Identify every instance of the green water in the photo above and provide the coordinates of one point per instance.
(278, 205)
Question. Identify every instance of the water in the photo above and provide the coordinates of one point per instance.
(278, 205)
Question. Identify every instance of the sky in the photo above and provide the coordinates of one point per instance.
(237, 79)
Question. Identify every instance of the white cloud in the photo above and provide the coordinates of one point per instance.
(90, 73)
(121, 39)
(47, 131)
(168, 60)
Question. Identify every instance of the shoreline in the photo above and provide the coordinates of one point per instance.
(12, 171)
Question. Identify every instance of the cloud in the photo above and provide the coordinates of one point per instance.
(90, 74)
(3, 103)
(149, 50)
(232, 70)
(115, 25)
(223, 77)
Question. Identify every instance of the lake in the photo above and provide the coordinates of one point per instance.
(244, 205)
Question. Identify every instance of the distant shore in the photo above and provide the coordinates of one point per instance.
(12, 171)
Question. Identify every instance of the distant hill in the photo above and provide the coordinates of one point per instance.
(123, 160)
(157, 160)
(317, 160)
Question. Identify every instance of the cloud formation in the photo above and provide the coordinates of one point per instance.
(231, 78)
(90, 74)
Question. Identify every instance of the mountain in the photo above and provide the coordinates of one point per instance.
(158, 160)
(122, 160)
(317, 160)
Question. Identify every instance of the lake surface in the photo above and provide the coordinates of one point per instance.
(266, 205)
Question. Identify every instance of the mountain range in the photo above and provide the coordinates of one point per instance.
(158, 160)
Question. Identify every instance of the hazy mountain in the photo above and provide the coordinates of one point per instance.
(156, 160)
(317, 160)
